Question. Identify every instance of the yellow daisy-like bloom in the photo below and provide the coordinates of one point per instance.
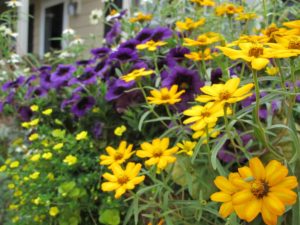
(187, 147)
(165, 96)
(202, 40)
(47, 112)
(120, 130)
(136, 74)
(35, 157)
(228, 9)
(141, 17)
(256, 54)
(34, 108)
(273, 31)
(14, 164)
(34, 175)
(116, 156)
(33, 137)
(288, 43)
(266, 190)
(47, 155)
(210, 3)
(199, 56)
(70, 160)
(58, 146)
(201, 116)
(206, 132)
(53, 211)
(151, 45)
(272, 70)
(249, 39)
(122, 180)
(225, 93)
(158, 153)
(81, 136)
(189, 24)
(246, 16)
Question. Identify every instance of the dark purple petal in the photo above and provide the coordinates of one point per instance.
(63, 73)
(124, 55)
(114, 32)
(131, 44)
(144, 35)
(216, 75)
(81, 107)
(13, 84)
(25, 113)
(100, 52)
(97, 130)
(116, 88)
(176, 55)
(161, 33)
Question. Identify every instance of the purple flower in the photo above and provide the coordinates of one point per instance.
(114, 32)
(129, 44)
(216, 75)
(144, 35)
(100, 52)
(84, 62)
(81, 106)
(88, 77)
(74, 98)
(128, 99)
(25, 113)
(124, 55)
(176, 55)
(227, 153)
(63, 73)
(161, 33)
(101, 68)
(116, 88)
(45, 69)
(35, 92)
(13, 84)
(97, 130)
(30, 79)
(45, 80)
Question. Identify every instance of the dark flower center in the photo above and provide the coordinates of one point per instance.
(157, 152)
(123, 180)
(225, 95)
(83, 103)
(118, 156)
(294, 44)
(256, 51)
(86, 76)
(259, 188)
(63, 71)
(271, 30)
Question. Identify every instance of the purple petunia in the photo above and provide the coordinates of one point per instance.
(63, 73)
(25, 113)
(216, 75)
(144, 35)
(100, 52)
(161, 33)
(114, 32)
(116, 88)
(84, 104)
(88, 77)
(124, 55)
(13, 84)
(176, 55)
(131, 44)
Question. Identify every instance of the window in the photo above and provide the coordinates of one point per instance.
(31, 28)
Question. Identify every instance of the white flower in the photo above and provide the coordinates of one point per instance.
(77, 41)
(14, 58)
(7, 31)
(95, 16)
(13, 3)
(65, 55)
(69, 32)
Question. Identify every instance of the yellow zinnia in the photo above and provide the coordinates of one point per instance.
(204, 2)
(141, 17)
(151, 45)
(122, 180)
(136, 74)
(189, 24)
(256, 54)
(199, 56)
(165, 96)
(186, 147)
(202, 40)
(225, 93)
(258, 189)
(158, 153)
(116, 156)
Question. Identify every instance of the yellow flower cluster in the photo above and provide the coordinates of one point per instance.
(141, 17)
(256, 189)
(189, 24)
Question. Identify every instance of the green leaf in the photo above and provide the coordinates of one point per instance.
(110, 217)
(216, 149)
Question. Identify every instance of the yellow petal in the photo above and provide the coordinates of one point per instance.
(220, 197)
(120, 191)
(259, 63)
(109, 186)
(287, 196)
(232, 84)
(273, 204)
(245, 172)
(253, 209)
(288, 182)
(257, 168)
(268, 217)
(243, 90)
(277, 176)
(242, 197)
(224, 185)
(226, 209)
(110, 177)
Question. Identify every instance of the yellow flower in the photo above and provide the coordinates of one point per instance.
(47, 112)
(207, 130)
(122, 180)
(36, 201)
(165, 96)
(202, 40)
(189, 24)
(34, 175)
(204, 2)
(272, 70)
(18, 193)
(34, 108)
(2, 168)
(70, 160)
(246, 16)
(288, 43)
(120, 130)
(81, 136)
(201, 116)
(15, 219)
(136, 74)
(50, 176)
(199, 56)
(30, 123)
(187, 147)
(53, 211)
(272, 31)
(266, 190)
(11, 186)
(47, 155)
(13, 206)
(58, 146)
(229, 9)
(151, 45)
(140, 17)
(35, 157)
(256, 54)
(14, 164)
(255, 39)
(158, 153)
(116, 156)
(225, 93)
(33, 137)
(295, 25)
